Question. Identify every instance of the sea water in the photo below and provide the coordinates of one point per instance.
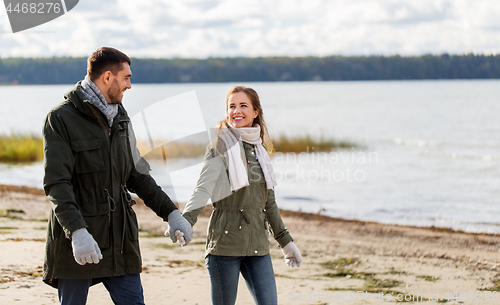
(426, 153)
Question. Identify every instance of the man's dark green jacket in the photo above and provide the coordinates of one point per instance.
(88, 168)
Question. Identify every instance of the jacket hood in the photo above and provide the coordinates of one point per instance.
(75, 96)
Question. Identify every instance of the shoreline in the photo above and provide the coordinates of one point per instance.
(283, 212)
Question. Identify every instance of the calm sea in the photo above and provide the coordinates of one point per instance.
(428, 152)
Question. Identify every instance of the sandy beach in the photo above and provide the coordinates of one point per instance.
(344, 261)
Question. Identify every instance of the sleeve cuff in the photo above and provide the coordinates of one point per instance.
(284, 239)
(192, 216)
(75, 225)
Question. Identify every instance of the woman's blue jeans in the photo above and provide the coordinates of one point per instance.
(224, 272)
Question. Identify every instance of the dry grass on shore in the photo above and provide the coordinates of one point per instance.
(29, 148)
(307, 143)
(21, 148)
(282, 144)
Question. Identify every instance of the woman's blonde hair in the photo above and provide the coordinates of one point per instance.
(254, 98)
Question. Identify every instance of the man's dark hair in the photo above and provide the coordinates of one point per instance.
(105, 59)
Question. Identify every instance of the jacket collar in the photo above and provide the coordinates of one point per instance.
(75, 96)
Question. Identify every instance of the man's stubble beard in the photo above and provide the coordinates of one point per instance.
(114, 93)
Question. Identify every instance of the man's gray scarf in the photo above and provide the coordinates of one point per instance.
(93, 94)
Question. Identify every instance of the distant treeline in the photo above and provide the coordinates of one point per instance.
(67, 70)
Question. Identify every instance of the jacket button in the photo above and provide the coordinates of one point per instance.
(226, 232)
(239, 227)
(241, 210)
(264, 210)
(256, 251)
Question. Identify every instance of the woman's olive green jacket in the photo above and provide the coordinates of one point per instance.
(241, 220)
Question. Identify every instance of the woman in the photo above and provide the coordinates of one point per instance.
(238, 176)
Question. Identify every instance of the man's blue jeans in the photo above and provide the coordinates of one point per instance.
(224, 272)
(126, 289)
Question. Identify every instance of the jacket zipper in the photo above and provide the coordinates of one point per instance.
(107, 133)
(107, 129)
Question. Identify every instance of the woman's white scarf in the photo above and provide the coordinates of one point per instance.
(238, 176)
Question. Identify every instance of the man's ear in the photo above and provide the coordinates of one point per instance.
(107, 77)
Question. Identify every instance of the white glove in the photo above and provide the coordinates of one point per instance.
(85, 248)
(176, 222)
(292, 255)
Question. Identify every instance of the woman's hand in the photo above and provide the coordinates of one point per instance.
(292, 255)
(179, 236)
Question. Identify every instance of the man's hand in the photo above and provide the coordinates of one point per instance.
(179, 228)
(292, 255)
(85, 248)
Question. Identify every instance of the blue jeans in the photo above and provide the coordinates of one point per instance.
(125, 289)
(224, 272)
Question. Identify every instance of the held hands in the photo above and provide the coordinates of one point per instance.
(292, 255)
(179, 229)
(178, 234)
(85, 248)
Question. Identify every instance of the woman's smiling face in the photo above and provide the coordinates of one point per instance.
(240, 110)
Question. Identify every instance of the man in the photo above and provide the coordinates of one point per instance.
(91, 162)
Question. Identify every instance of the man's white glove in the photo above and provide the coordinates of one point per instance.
(85, 248)
(292, 255)
(179, 228)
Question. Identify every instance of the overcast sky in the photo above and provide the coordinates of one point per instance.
(220, 28)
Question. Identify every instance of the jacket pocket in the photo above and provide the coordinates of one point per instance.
(90, 209)
(88, 156)
(227, 231)
(99, 229)
(133, 226)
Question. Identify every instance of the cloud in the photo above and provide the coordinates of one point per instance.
(199, 29)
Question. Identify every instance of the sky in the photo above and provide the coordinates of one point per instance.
(250, 28)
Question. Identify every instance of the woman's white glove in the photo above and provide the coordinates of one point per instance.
(179, 228)
(292, 255)
(85, 248)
